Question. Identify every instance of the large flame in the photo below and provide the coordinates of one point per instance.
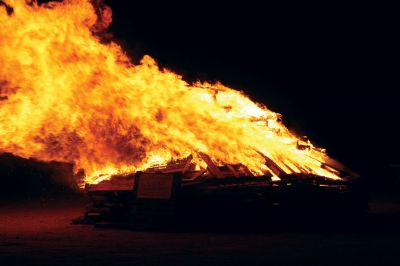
(66, 95)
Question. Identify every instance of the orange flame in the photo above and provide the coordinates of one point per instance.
(65, 95)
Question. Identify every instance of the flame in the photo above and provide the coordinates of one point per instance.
(68, 95)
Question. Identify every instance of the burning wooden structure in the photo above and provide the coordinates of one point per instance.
(164, 193)
(79, 99)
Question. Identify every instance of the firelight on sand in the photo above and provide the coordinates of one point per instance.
(66, 94)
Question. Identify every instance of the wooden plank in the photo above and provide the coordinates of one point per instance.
(274, 167)
(193, 175)
(211, 167)
(188, 164)
(116, 183)
(154, 186)
(230, 167)
(245, 170)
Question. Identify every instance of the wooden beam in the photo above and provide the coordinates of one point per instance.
(211, 167)
(230, 167)
(274, 167)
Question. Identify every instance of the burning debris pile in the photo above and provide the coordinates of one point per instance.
(68, 95)
(178, 194)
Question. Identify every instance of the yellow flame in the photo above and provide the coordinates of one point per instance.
(68, 96)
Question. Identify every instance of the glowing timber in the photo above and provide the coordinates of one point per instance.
(166, 193)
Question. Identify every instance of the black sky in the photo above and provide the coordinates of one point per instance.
(331, 70)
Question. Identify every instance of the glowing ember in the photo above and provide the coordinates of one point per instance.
(66, 95)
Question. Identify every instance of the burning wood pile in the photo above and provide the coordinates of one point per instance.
(165, 194)
(67, 94)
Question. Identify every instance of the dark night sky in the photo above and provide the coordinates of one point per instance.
(329, 69)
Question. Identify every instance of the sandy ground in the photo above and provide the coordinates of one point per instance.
(40, 233)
